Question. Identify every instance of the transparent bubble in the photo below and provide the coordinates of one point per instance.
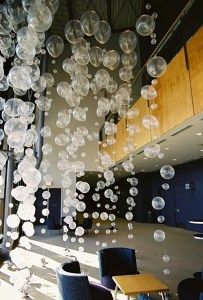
(73, 31)
(19, 78)
(167, 172)
(102, 78)
(103, 33)
(152, 151)
(13, 221)
(133, 191)
(81, 55)
(79, 114)
(158, 203)
(159, 235)
(156, 66)
(165, 186)
(145, 25)
(166, 258)
(79, 231)
(112, 86)
(80, 206)
(49, 79)
(46, 149)
(90, 22)
(129, 60)
(150, 122)
(43, 103)
(39, 85)
(26, 211)
(80, 85)
(69, 66)
(26, 51)
(104, 216)
(148, 92)
(129, 216)
(125, 74)
(96, 56)
(45, 131)
(133, 181)
(83, 187)
(39, 17)
(166, 272)
(31, 177)
(127, 41)
(111, 59)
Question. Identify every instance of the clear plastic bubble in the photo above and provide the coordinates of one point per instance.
(52, 5)
(104, 216)
(102, 78)
(81, 55)
(148, 92)
(165, 186)
(96, 56)
(79, 114)
(39, 17)
(43, 103)
(19, 78)
(156, 66)
(150, 122)
(166, 272)
(81, 206)
(90, 22)
(13, 221)
(158, 203)
(103, 33)
(145, 25)
(112, 86)
(129, 60)
(167, 172)
(69, 66)
(48, 78)
(152, 151)
(127, 41)
(73, 31)
(125, 74)
(159, 235)
(129, 216)
(133, 191)
(39, 85)
(166, 258)
(80, 85)
(45, 131)
(111, 59)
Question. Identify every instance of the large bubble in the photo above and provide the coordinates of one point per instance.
(127, 41)
(73, 31)
(158, 203)
(96, 56)
(55, 45)
(156, 66)
(145, 25)
(39, 17)
(103, 33)
(167, 172)
(90, 22)
(148, 92)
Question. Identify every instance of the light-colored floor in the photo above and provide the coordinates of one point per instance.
(186, 257)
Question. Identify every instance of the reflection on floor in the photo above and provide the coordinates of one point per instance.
(186, 255)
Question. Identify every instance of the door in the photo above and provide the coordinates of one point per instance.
(181, 196)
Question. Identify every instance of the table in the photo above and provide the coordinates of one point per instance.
(139, 283)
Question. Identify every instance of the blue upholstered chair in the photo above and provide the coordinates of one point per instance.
(51, 225)
(73, 285)
(190, 289)
(116, 261)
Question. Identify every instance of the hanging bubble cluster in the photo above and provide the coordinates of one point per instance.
(22, 38)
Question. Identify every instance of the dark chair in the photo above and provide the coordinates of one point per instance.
(51, 225)
(116, 261)
(87, 224)
(190, 289)
(73, 285)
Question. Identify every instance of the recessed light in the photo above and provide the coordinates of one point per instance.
(156, 165)
(145, 157)
(201, 150)
(174, 159)
(142, 170)
(198, 133)
(167, 148)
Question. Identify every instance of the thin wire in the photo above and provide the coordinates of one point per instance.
(164, 39)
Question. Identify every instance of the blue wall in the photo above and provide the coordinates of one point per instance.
(193, 199)
(190, 202)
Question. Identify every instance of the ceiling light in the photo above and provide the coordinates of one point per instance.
(167, 148)
(156, 165)
(174, 159)
(201, 150)
(198, 133)
(145, 157)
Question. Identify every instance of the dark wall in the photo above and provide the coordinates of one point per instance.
(189, 202)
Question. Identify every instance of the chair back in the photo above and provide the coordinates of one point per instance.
(190, 289)
(72, 286)
(87, 223)
(117, 261)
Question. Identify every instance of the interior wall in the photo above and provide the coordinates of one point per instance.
(150, 186)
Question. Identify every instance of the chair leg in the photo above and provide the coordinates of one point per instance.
(163, 296)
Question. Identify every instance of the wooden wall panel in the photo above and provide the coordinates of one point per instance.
(174, 95)
(195, 59)
(144, 136)
(121, 139)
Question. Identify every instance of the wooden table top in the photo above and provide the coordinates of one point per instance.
(139, 283)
